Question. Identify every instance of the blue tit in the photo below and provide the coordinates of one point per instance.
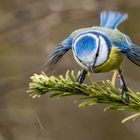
(101, 48)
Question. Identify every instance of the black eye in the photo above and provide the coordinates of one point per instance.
(97, 54)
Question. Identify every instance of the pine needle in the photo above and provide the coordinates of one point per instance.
(96, 93)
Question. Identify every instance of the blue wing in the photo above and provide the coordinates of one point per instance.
(112, 19)
(130, 50)
(134, 54)
(58, 53)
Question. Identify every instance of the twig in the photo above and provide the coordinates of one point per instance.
(103, 93)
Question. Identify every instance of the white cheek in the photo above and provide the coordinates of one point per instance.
(103, 52)
(85, 58)
(83, 66)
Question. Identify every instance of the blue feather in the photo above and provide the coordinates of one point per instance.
(62, 48)
(85, 45)
(122, 46)
(134, 54)
(112, 19)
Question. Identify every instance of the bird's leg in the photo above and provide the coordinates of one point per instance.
(114, 76)
(81, 77)
(123, 86)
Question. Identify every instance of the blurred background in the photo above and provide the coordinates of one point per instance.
(29, 31)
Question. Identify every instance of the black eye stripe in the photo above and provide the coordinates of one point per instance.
(97, 53)
(104, 52)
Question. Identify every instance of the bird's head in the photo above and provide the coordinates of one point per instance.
(90, 50)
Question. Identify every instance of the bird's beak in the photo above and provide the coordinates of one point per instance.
(91, 67)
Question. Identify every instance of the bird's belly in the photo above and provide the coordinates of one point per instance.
(113, 63)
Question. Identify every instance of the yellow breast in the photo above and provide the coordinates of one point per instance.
(113, 63)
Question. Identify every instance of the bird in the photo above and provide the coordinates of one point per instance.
(100, 49)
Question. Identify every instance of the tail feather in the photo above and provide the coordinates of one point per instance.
(134, 54)
(59, 52)
(112, 19)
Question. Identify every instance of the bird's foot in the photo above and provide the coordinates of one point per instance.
(124, 91)
(81, 77)
(124, 94)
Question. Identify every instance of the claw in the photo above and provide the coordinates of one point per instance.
(124, 93)
(125, 96)
(81, 77)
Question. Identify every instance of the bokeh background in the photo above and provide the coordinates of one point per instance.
(29, 31)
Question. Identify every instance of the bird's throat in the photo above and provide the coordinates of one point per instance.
(113, 63)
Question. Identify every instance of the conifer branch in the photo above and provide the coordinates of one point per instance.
(95, 93)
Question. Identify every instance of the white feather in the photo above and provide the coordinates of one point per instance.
(86, 58)
(103, 52)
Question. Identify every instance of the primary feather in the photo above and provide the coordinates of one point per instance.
(58, 53)
(134, 54)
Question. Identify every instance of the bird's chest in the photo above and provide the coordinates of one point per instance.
(113, 62)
